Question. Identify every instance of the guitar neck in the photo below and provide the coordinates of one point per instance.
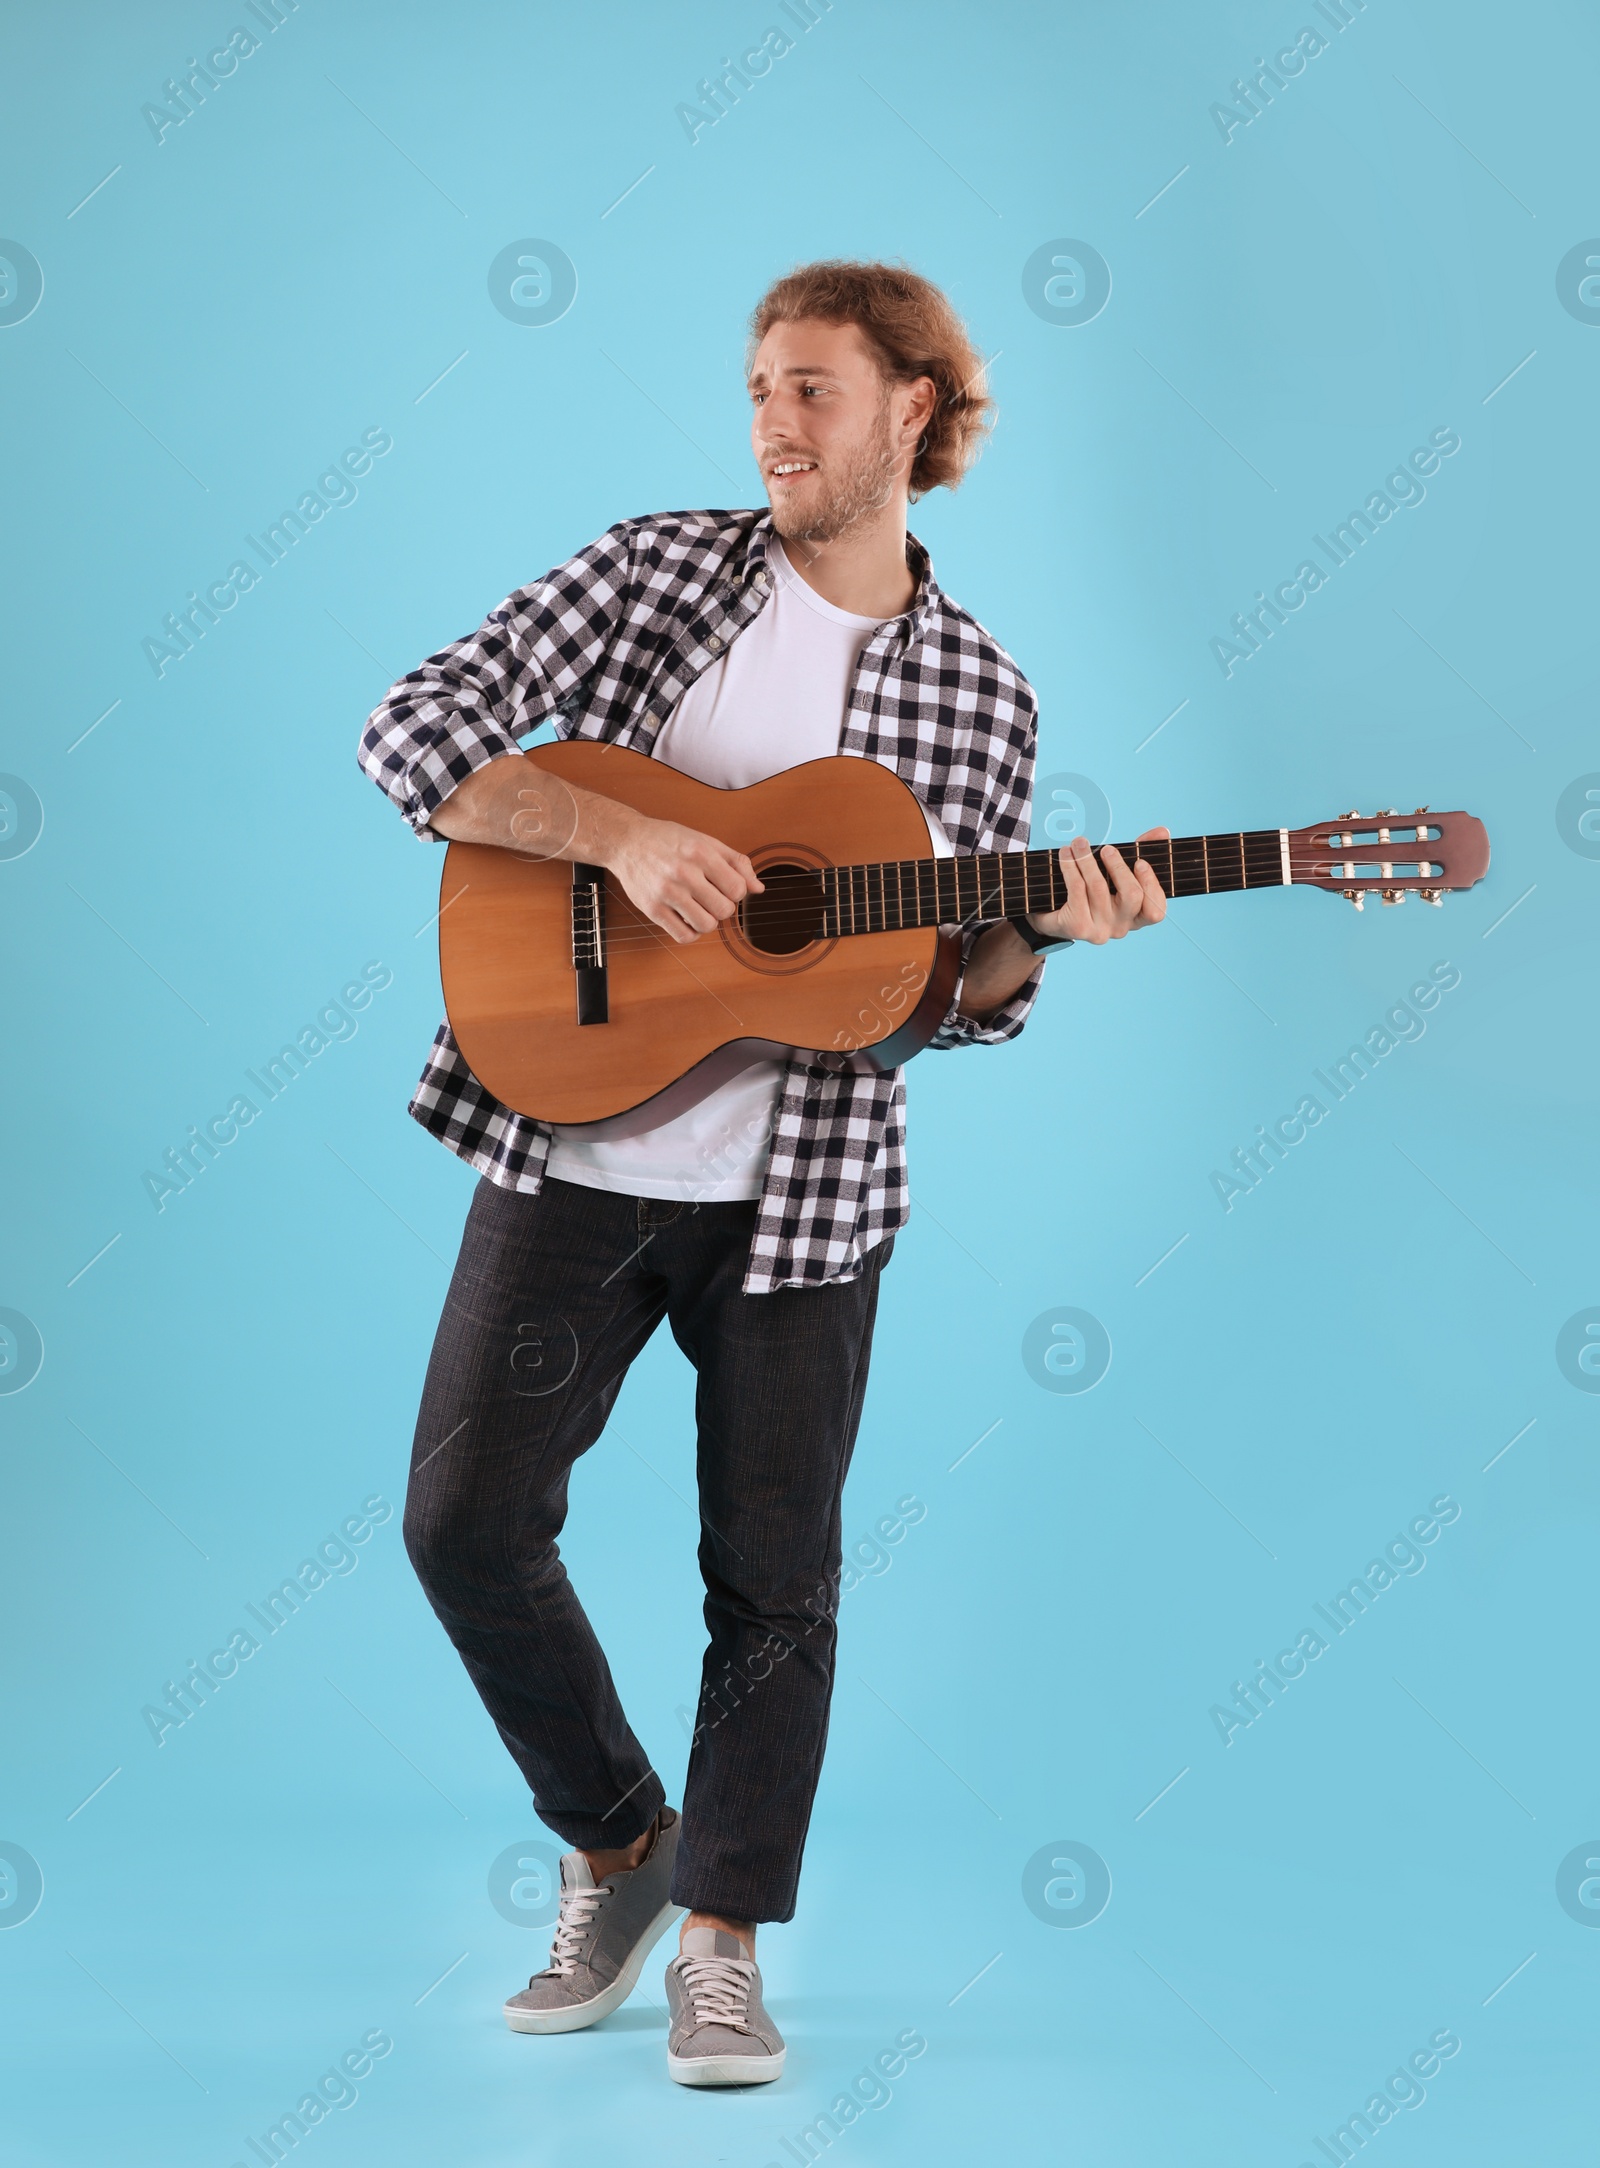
(890, 895)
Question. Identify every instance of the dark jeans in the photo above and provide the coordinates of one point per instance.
(553, 1296)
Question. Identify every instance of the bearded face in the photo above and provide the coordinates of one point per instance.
(832, 431)
(818, 492)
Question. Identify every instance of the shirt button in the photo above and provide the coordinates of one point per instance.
(714, 645)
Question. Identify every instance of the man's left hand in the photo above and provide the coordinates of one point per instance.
(1098, 909)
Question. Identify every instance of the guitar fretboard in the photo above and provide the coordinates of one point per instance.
(893, 894)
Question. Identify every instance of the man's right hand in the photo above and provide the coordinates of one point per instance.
(684, 882)
(680, 880)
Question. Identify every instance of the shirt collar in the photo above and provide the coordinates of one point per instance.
(912, 621)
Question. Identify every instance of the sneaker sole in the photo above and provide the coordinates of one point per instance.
(573, 2017)
(726, 2069)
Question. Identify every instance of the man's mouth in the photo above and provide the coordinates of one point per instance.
(790, 470)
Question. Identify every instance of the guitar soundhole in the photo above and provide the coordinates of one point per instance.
(788, 914)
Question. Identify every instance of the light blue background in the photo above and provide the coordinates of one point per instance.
(1366, 262)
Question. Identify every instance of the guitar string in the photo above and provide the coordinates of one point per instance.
(795, 918)
(1314, 871)
(1264, 842)
(634, 932)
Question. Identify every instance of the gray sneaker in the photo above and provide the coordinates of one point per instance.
(605, 1932)
(718, 2032)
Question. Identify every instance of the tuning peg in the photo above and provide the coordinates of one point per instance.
(1357, 896)
(1392, 895)
(1431, 895)
(1352, 815)
(1385, 812)
(1422, 809)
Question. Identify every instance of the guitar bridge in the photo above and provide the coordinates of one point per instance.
(589, 943)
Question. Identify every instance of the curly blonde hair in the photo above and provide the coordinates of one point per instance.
(913, 331)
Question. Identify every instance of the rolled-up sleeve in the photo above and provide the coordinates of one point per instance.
(1005, 829)
(1000, 1024)
(469, 703)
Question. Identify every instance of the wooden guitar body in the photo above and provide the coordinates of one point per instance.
(681, 1019)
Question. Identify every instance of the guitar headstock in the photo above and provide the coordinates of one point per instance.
(1390, 854)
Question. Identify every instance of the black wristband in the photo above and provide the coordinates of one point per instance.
(1038, 942)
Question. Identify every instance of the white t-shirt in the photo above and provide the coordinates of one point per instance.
(775, 699)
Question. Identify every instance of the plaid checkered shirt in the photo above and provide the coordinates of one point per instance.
(604, 647)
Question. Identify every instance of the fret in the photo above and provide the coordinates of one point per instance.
(1188, 866)
(1013, 896)
(1150, 852)
(1265, 858)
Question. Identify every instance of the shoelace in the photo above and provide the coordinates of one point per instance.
(578, 1909)
(718, 1989)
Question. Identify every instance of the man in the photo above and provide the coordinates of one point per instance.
(732, 645)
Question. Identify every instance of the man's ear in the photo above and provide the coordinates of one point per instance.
(924, 399)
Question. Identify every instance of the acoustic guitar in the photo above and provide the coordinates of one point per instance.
(570, 1006)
